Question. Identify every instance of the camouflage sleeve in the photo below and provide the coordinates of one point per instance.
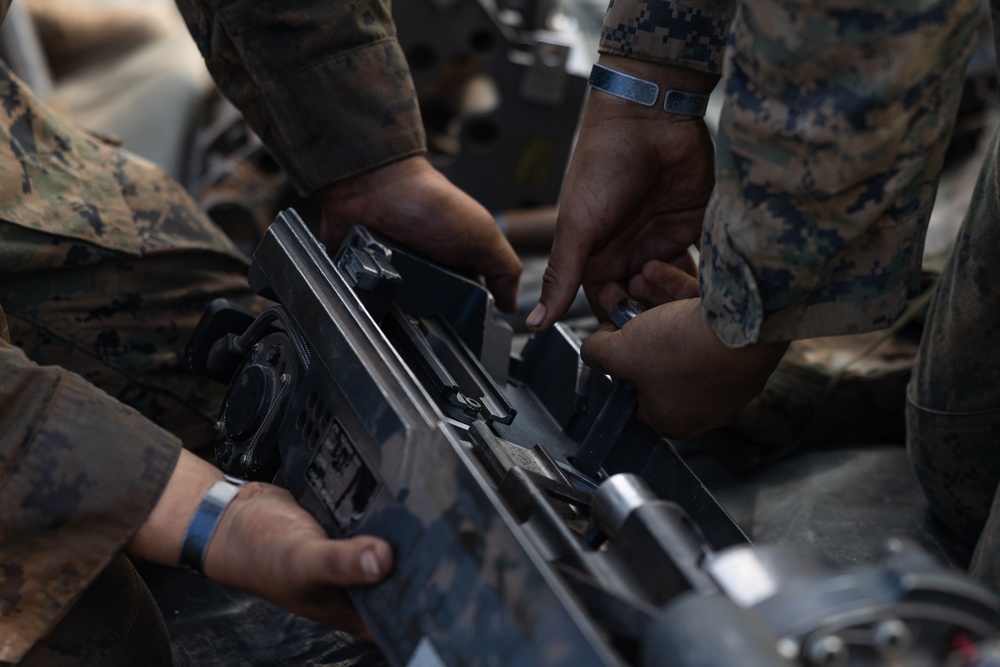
(79, 471)
(683, 33)
(831, 142)
(324, 84)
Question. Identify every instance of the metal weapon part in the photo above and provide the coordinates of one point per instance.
(383, 393)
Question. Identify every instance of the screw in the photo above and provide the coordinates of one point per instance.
(892, 636)
(284, 378)
(788, 648)
(830, 651)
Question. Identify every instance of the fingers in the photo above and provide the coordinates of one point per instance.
(413, 203)
(498, 263)
(661, 283)
(504, 290)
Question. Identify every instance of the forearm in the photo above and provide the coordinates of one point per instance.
(324, 84)
(828, 153)
(78, 472)
(161, 535)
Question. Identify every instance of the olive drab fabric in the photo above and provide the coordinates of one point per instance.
(106, 265)
(334, 67)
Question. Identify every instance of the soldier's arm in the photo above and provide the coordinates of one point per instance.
(687, 34)
(830, 147)
(327, 88)
(83, 476)
(640, 177)
(264, 544)
(828, 155)
(324, 84)
(79, 472)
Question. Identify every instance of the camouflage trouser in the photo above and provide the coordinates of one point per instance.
(953, 412)
(116, 622)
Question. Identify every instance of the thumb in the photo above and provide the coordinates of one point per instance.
(563, 275)
(356, 561)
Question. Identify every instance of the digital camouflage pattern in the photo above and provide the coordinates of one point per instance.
(335, 67)
(688, 33)
(835, 123)
(832, 137)
(836, 119)
(107, 266)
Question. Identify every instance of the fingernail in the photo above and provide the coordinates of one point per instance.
(536, 316)
(370, 565)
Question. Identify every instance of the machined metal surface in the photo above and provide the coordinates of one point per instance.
(506, 553)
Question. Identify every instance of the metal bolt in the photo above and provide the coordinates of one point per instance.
(892, 636)
(830, 651)
(788, 648)
(218, 426)
(256, 348)
(284, 378)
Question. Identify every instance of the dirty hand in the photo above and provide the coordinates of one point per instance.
(413, 203)
(269, 546)
(687, 381)
(636, 190)
(265, 544)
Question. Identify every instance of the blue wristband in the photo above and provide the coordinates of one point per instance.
(646, 93)
(204, 522)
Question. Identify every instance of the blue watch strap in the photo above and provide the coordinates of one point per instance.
(685, 104)
(646, 93)
(204, 522)
(624, 85)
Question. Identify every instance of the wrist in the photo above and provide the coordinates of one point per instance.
(346, 192)
(161, 535)
(204, 522)
(666, 76)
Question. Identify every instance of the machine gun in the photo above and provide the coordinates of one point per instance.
(383, 393)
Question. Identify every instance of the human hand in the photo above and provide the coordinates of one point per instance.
(412, 202)
(269, 546)
(264, 544)
(687, 381)
(636, 190)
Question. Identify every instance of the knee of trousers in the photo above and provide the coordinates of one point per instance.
(114, 623)
(956, 459)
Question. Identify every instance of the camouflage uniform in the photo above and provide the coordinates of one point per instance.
(106, 266)
(832, 137)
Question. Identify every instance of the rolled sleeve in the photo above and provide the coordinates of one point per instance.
(324, 84)
(79, 472)
(829, 150)
(682, 33)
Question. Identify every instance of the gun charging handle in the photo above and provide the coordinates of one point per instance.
(618, 409)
